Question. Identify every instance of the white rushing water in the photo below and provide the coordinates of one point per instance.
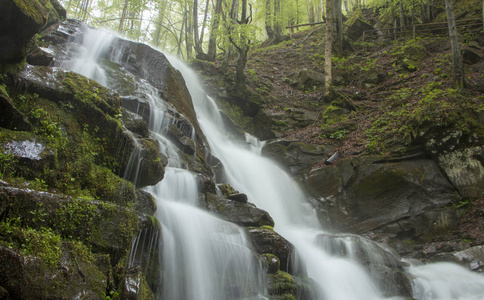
(205, 258)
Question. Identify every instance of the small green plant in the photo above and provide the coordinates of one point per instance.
(339, 135)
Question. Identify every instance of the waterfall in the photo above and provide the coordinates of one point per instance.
(205, 258)
(339, 276)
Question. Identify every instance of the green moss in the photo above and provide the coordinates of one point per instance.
(281, 283)
(43, 243)
(33, 9)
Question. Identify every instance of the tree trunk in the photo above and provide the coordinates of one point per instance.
(123, 16)
(204, 21)
(328, 48)
(337, 34)
(188, 33)
(158, 25)
(179, 51)
(311, 11)
(269, 20)
(212, 43)
(483, 14)
(196, 41)
(402, 16)
(457, 64)
(277, 20)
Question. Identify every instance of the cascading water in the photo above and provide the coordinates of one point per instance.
(206, 258)
(203, 257)
(338, 275)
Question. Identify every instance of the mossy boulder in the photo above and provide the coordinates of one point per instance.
(461, 158)
(30, 277)
(306, 79)
(281, 285)
(266, 240)
(410, 56)
(10, 116)
(20, 20)
(95, 111)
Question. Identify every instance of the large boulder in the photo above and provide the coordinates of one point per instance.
(461, 158)
(243, 214)
(403, 199)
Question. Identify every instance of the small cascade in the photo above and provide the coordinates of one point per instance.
(93, 45)
(204, 257)
(445, 281)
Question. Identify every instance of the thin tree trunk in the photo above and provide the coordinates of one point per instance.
(269, 20)
(204, 21)
(188, 34)
(402, 16)
(311, 11)
(337, 25)
(277, 20)
(457, 64)
(179, 52)
(328, 48)
(483, 14)
(196, 40)
(212, 44)
(159, 23)
(123, 16)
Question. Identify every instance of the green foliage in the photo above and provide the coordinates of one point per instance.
(43, 242)
(8, 164)
(339, 135)
(74, 219)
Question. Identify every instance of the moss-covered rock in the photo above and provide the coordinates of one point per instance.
(20, 20)
(27, 276)
(281, 285)
(266, 240)
(10, 117)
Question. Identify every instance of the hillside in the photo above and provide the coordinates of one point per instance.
(393, 102)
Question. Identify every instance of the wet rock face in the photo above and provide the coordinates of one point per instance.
(297, 157)
(403, 199)
(99, 108)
